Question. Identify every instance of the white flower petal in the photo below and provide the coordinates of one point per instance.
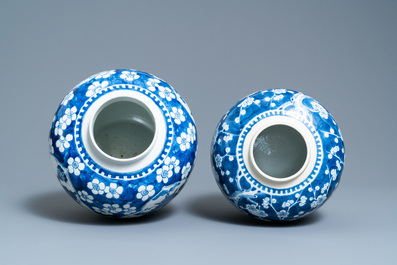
(119, 190)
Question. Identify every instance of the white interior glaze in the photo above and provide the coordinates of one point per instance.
(123, 131)
(279, 152)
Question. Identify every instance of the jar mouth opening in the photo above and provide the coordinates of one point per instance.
(123, 129)
(279, 151)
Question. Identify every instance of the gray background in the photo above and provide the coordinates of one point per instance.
(342, 53)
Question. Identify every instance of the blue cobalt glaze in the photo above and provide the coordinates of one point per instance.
(115, 186)
(263, 196)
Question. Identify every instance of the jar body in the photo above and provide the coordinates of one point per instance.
(123, 143)
(277, 155)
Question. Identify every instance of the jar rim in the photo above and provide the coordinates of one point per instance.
(131, 164)
(260, 175)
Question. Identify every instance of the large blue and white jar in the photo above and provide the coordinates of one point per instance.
(123, 143)
(277, 155)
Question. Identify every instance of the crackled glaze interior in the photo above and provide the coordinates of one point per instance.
(279, 151)
(124, 129)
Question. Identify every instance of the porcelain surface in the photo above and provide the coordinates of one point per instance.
(278, 199)
(130, 191)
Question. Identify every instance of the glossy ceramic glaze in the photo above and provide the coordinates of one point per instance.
(123, 143)
(277, 155)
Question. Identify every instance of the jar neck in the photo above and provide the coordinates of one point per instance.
(279, 152)
(123, 131)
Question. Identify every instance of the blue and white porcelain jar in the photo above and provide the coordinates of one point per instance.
(123, 143)
(277, 155)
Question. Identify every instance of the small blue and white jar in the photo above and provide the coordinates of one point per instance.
(123, 143)
(277, 155)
